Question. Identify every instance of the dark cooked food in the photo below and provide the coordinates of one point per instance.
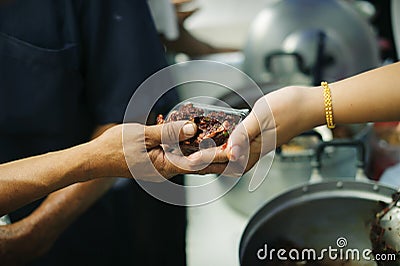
(376, 234)
(213, 128)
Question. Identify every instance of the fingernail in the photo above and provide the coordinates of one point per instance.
(195, 156)
(234, 153)
(188, 130)
(230, 143)
(231, 157)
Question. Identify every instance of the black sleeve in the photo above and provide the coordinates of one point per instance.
(120, 49)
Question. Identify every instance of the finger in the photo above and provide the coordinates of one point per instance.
(208, 156)
(179, 164)
(215, 168)
(238, 145)
(256, 121)
(176, 164)
(243, 134)
(169, 133)
(250, 128)
(232, 169)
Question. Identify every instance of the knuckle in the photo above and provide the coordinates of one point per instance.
(169, 133)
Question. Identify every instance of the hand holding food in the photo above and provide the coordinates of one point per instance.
(122, 151)
(214, 124)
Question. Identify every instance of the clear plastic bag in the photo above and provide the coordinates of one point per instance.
(214, 124)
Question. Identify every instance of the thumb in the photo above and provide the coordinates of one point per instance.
(240, 139)
(169, 133)
(249, 129)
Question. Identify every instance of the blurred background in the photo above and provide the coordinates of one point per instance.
(318, 187)
(279, 43)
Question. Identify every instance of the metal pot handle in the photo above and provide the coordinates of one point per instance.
(310, 134)
(299, 60)
(361, 158)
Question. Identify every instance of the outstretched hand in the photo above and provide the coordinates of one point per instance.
(135, 150)
(274, 120)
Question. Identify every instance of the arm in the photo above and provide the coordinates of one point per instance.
(34, 235)
(371, 96)
(62, 207)
(286, 113)
(186, 42)
(368, 97)
(103, 157)
(29, 179)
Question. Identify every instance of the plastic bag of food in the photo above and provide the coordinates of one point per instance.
(214, 124)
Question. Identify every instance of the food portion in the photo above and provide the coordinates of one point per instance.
(214, 124)
(377, 232)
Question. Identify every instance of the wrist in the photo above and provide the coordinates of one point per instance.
(105, 158)
(66, 167)
(296, 109)
(312, 108)
(95, 164)
(82, 162)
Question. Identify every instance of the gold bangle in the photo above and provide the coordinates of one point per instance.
(328, 105)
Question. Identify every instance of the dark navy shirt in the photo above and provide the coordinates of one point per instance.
(67, 66)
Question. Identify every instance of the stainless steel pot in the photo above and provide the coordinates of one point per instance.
(290, 40)
(317, 215)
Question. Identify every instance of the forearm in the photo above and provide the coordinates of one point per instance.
(26, 180)
(368, 97)
(371, 96)
(62, 207)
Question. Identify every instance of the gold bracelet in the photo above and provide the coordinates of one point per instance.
(328, 105)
